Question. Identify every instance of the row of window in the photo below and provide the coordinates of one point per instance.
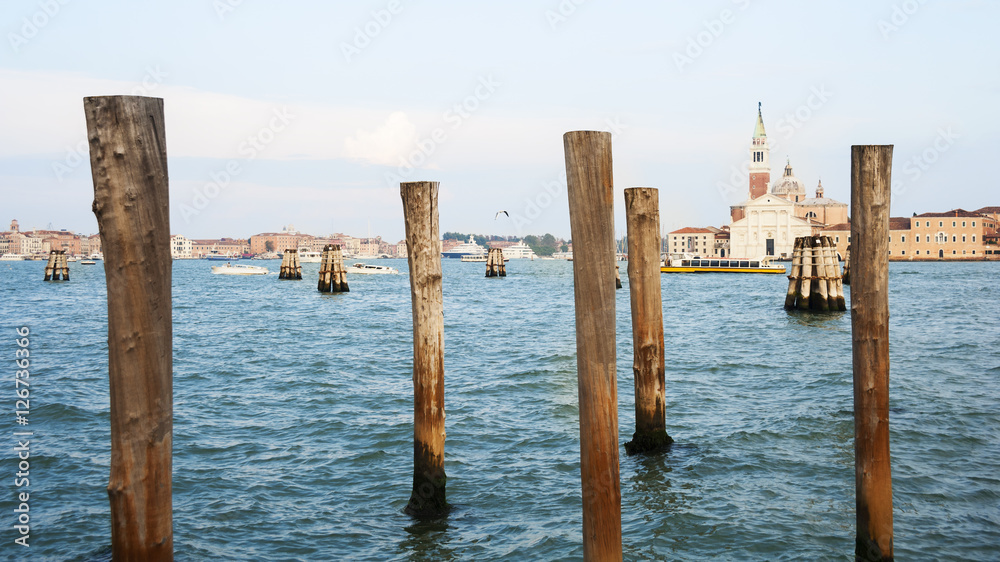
(941, 223)
(929, 252)
(940, 238)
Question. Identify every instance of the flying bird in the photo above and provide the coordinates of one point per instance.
(501, 213)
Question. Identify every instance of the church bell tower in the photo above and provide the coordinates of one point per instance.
(760, 168)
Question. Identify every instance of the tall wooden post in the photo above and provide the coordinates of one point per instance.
(591, 215)
(642, 215)
(870, 180)
(128, 160)
(420, 212)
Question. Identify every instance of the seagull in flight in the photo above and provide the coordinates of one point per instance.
(501, 213)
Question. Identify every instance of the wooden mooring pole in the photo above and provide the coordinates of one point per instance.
(870, 193)
(494, 263)
(57, 266)
(420, 213)
(332, 274)
(591, 214)
(642, 214)
(128, 161)
(290, 266)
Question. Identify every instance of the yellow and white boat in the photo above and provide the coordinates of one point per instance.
(685, 263)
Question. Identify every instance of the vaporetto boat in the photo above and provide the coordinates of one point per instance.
(686, 264)
(238, 269)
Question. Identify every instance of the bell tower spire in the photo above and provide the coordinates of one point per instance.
(760, 168)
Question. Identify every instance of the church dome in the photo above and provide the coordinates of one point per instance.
(789, 186)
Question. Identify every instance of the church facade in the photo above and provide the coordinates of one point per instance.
(769, 220)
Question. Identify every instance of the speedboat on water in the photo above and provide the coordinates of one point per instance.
(369, 269)
(238, 269)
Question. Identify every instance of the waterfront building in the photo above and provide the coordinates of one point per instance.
(287, 239)
(769, 220)
(181, 248)
(695, 241)
(224, 246)
(769, 228)
(955, 234)
(401, 249)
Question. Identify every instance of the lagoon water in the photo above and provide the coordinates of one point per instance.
(293, 418)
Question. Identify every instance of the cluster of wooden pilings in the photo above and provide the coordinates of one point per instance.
(290, 266)
(494, 263)
(815, 283)
(57, 267)
(131, 201)
(332, 273)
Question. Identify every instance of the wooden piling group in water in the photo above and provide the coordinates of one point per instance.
(290, 266)
(814, 282)
(847, 266)
(332, 273)
(494, 263)
(57, 266)
(131, 203)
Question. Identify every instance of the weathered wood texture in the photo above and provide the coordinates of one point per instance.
(494, 263)
(794, 276)
(420, 213)
(642, 215)
(591, 208)
(847, 266)
(128, 159)
(870, 180)
(332, 273)
(57, 266)
(814, 282)
(290, 266)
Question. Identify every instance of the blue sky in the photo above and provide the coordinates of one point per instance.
(323, 107)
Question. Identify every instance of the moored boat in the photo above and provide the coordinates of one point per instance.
(308, 256)
(238, 269)
(686, 264)
(12, 257)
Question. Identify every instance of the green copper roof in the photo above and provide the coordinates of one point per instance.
(758, 131)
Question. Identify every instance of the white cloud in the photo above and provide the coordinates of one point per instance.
(385, 145)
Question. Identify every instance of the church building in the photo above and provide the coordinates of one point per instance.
(769, 221)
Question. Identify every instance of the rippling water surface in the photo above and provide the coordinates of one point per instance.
(293, 418)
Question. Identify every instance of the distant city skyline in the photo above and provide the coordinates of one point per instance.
(312, 113)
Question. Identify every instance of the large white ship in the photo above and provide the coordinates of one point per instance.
(519, 251)
(469, 248)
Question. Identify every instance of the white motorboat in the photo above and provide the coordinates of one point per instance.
(369, 269)
(308, 256)
(238, 269)
(88, 262)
